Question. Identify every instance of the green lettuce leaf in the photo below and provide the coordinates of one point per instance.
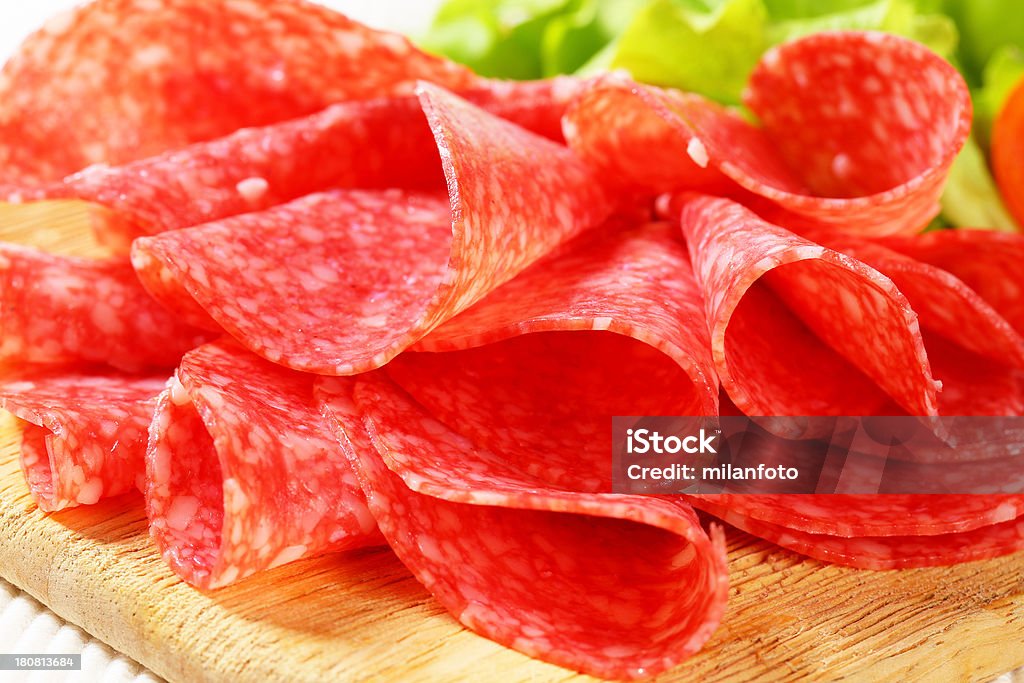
(971, 199)
(985, 26)
(1001, 74)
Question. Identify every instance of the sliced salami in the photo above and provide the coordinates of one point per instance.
(378, 143)
(986, 261)
(854, 516)
(243, 473)
(84, 435)
(798, 329)
(945, 305)
(117, 80)
(879, 140)
(973, 351)
(61, 309)
(886, 552)
(359, 276)
(527, 563)
(636, 282)
(870, 153)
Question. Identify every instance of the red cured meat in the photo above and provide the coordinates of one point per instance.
(634, 282)
(664, 140)
(880, 139)
(368, 144)
(945, 305)
(886, 552)
(359, 276)
(243, 473)
(84, 434)
(974, 352)
(60, 309)
(119, 80)
(527, 563)
(988, 262)
(852, 516)
(796, 328)
(869, 153)
(323, 283)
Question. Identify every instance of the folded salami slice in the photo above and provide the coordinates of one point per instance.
(636, 282)
(986, 261)
(378, 143)
(799, 329)
(243, 473)
(886, 552)
(851, 516)
(945, 304)
(869, 152)
(119, 80)
(84, 434)
(359, 276)
(522, 560)
(61, 309)
(879, 140)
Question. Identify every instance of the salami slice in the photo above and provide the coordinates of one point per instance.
(60, 309)
(880, 139)
(84, 435)
(796, 328)
(119, 80)
(525, 562)
(359, 276)
(945, 305)
(243, 473)
(986, 261)
(853, 516)
(377, 143)
(870, 153)
(886, 552)
(636, 282)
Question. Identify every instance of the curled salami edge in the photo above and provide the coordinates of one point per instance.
(799, 329)
(364, 275)
(869, 154)
(84, 434)
(615, 586)
(61, 309)
(884, 552)
(369, 144)
(243, 473)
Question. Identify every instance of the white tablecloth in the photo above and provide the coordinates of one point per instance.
(27, 627)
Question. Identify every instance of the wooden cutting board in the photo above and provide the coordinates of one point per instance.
(361, 616)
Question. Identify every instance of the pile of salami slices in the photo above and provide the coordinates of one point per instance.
(359, 295)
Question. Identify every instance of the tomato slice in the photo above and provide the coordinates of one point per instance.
(1008, 151)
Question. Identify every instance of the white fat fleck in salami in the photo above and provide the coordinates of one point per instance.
(84, 435)
(799, 329)
(59, 309)
(125, 79)
(341, 282)
(243, 473)
(613, 586)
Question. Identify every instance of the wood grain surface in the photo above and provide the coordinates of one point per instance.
(361, 616)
